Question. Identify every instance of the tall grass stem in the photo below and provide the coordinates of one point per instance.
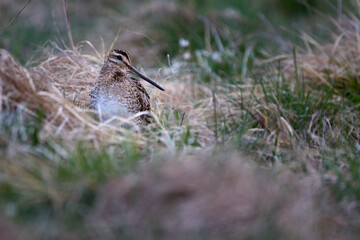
(68, 25)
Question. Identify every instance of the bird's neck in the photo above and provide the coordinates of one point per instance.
(110, 72)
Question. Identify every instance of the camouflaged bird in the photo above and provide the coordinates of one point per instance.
(118, 93)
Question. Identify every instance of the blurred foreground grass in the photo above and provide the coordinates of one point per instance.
(257, 136)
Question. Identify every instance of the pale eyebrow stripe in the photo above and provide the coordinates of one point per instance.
(122, 54)
(115, 60)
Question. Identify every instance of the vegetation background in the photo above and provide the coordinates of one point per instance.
(256, 136)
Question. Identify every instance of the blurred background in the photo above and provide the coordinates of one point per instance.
(151, 29)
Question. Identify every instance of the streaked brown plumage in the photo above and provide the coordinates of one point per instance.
(117, 93)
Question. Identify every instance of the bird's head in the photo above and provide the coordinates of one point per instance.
(120, 60)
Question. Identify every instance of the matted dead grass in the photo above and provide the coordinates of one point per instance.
(60, 85)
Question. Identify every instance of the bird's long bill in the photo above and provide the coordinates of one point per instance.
(145, 78)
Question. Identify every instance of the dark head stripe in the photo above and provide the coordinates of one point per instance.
(124, 53)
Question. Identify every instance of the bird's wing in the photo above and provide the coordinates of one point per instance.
(144, 98)
(94, 94)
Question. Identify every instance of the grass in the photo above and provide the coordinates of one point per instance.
(247, 142)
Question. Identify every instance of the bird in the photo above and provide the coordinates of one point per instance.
(118, 93)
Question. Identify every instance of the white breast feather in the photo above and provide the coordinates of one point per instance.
(109, 106)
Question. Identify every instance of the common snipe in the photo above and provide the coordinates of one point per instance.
(117, 93)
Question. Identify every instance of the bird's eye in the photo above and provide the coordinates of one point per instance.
(119, 57)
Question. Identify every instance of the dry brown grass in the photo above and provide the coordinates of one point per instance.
(330, 62)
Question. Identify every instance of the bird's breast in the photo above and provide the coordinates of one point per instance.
(108, 106)
(119, 98)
